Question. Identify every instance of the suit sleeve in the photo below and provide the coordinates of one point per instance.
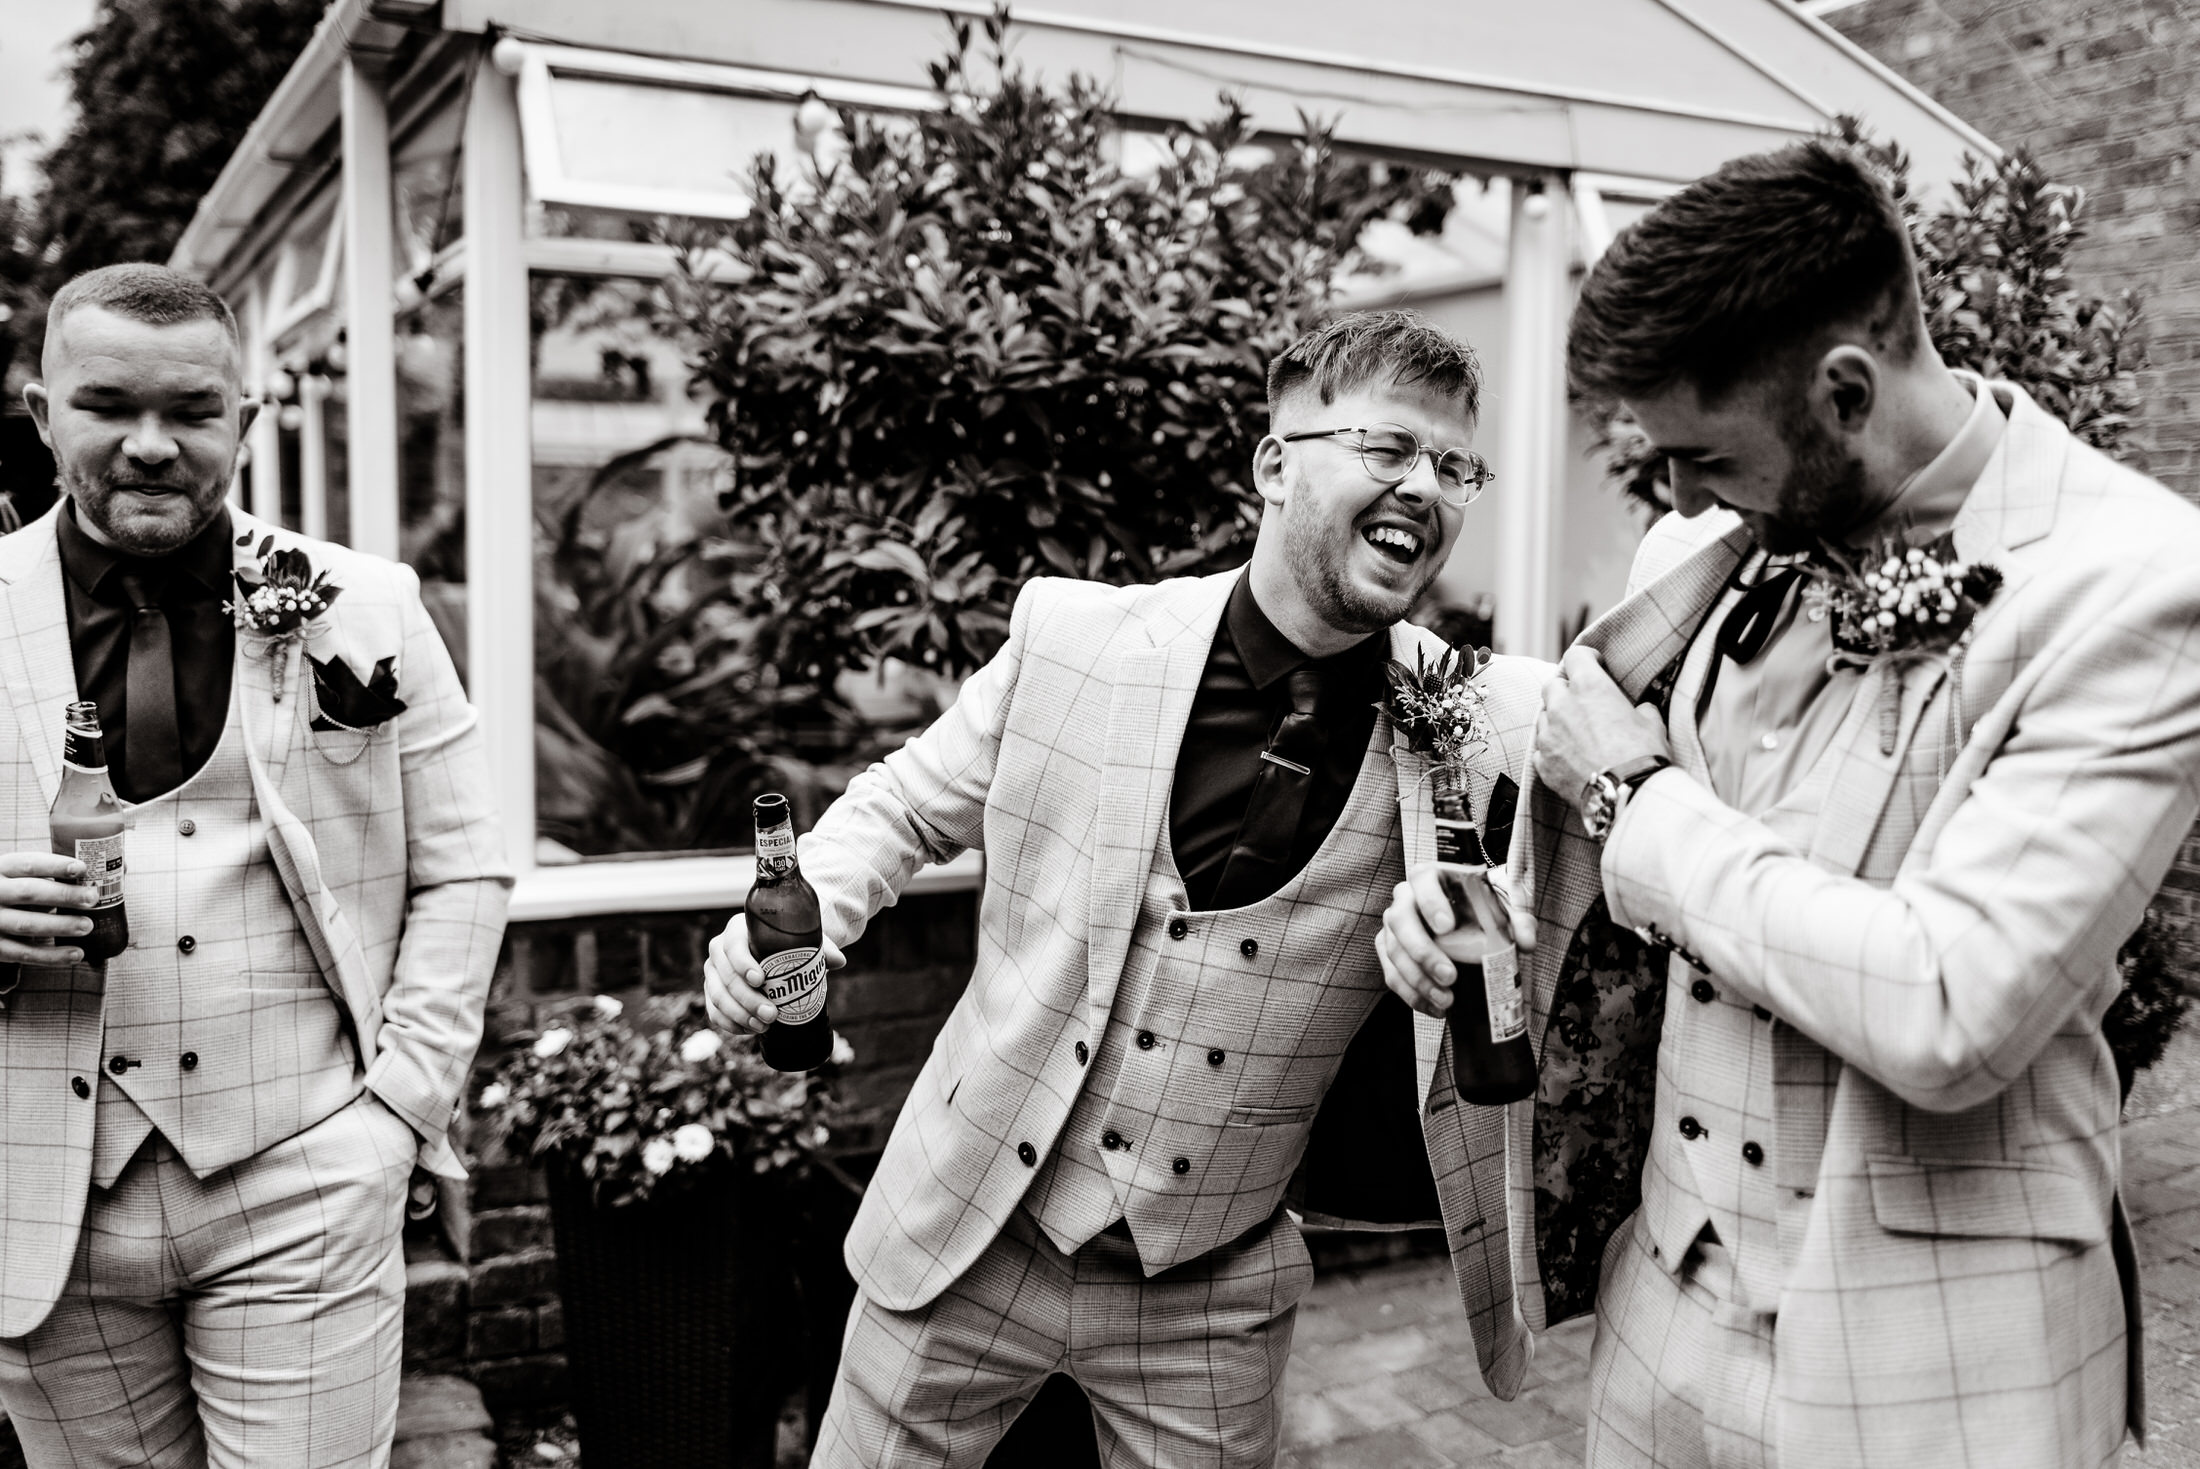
(924, 803)
(1947, 984)
(457, 888)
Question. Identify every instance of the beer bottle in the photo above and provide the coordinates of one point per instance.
(1492, 1061)
(788, 942)
(87, 825)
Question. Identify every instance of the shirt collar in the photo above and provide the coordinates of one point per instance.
(92, 566)
(1267, 654)
(1929, 499)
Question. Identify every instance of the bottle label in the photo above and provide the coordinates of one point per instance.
(1508, 1000)
(1460, 842)
(794, 980)
(102, 859)
(775, 843)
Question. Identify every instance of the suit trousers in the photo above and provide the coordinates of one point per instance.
(1680, 1373)
(1182, 1368)
(255, 1317)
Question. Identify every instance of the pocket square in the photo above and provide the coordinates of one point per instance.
(347, 703)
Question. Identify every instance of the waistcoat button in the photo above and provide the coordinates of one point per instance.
(1753, 1155)
(1178, 928)
(189, 1060)
(1702, 992)
(1083, 1055)
(1181, 1165)
(1028, 1153)
(118, 1064)
(1145, 1040)
(1249, 948)
(1214, 1057)
(1111, 1139)
(1691, 1128)
(187, 943)
(186, 827)
(80, 1086)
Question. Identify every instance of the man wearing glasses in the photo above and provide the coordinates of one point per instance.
(1193, 813)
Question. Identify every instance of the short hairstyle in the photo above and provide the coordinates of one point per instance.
(1402, 347)
(1740, 269)
(149, 293)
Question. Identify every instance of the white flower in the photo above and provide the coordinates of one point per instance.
(818, 1136)
(843, 1052)
(700, 1047)
(694, 1142)
(658, 1155)
(553, 1042)
(495, 1095)
(608, 1008)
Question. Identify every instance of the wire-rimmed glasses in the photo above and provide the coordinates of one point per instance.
(1390, 450)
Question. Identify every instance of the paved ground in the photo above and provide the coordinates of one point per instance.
(1382, 1372)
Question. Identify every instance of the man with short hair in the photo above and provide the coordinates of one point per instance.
(1887, 749)
(207, 1139)
(1192, 812)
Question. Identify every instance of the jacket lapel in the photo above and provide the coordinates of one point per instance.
(2012, 505)
(1153, 688)
(35, 663)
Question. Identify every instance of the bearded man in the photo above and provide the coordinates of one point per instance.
(1192, 812)
(1886, 751)
(206, 1140)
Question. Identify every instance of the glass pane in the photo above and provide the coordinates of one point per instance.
(431, 460)
(307, 252)
(426, 189)
(655, 724)
(615, 132)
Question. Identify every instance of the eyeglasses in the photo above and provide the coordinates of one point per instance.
(1389, 451)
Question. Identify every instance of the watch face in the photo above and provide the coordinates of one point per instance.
(1597, 805)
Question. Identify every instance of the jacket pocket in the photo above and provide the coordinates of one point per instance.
(1983, 1199)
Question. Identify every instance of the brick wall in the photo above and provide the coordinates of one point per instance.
(494, 1316)
(2105, 94)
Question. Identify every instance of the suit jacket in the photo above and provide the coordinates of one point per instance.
(1940, 957)
(1057, 761)
(384, 839)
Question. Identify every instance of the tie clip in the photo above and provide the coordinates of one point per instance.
(1274, 759)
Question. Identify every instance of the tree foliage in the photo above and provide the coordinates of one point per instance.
(1993, 275)
(973, 348)
(162, 92)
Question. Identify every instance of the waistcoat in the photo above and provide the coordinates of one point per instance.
(220, 1032)
(1226, 1031)
(1730, 1148)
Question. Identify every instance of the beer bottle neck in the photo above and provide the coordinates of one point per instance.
(84, 751)
(1456, 838)
(774, 850)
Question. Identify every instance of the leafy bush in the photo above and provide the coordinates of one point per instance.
(1993, 273)
(973, 348)
(2142, 1019)
(640, 1107)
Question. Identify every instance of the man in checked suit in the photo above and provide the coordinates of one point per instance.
(1192, 813)
(206, 1141)
(1879, 1220)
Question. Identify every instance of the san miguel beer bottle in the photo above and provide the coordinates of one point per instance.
(788, 943)
(87, 825)
(1492, 1061)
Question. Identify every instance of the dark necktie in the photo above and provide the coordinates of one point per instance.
(1749, 627)
(152, 752)
(1260, 860)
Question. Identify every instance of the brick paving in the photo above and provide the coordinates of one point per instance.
(1383, 1377)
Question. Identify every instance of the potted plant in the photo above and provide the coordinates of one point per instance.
(668, 1151)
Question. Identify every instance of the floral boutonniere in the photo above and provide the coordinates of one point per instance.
(1899, 604)
(1439, 706)
(280, 600)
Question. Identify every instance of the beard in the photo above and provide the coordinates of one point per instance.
(1316, 553)
(143, 527)
(1824, 494)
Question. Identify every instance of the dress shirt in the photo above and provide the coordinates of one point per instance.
(1769, 720)
(1241, 700)
(195, 581)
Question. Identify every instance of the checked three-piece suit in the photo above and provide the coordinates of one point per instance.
(1879, 1067)
(205, 1144)
(1088, 1174)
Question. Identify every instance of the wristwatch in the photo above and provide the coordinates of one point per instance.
(1603, 793)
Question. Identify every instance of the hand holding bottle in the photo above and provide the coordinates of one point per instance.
(32, 886)
(733, 982)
